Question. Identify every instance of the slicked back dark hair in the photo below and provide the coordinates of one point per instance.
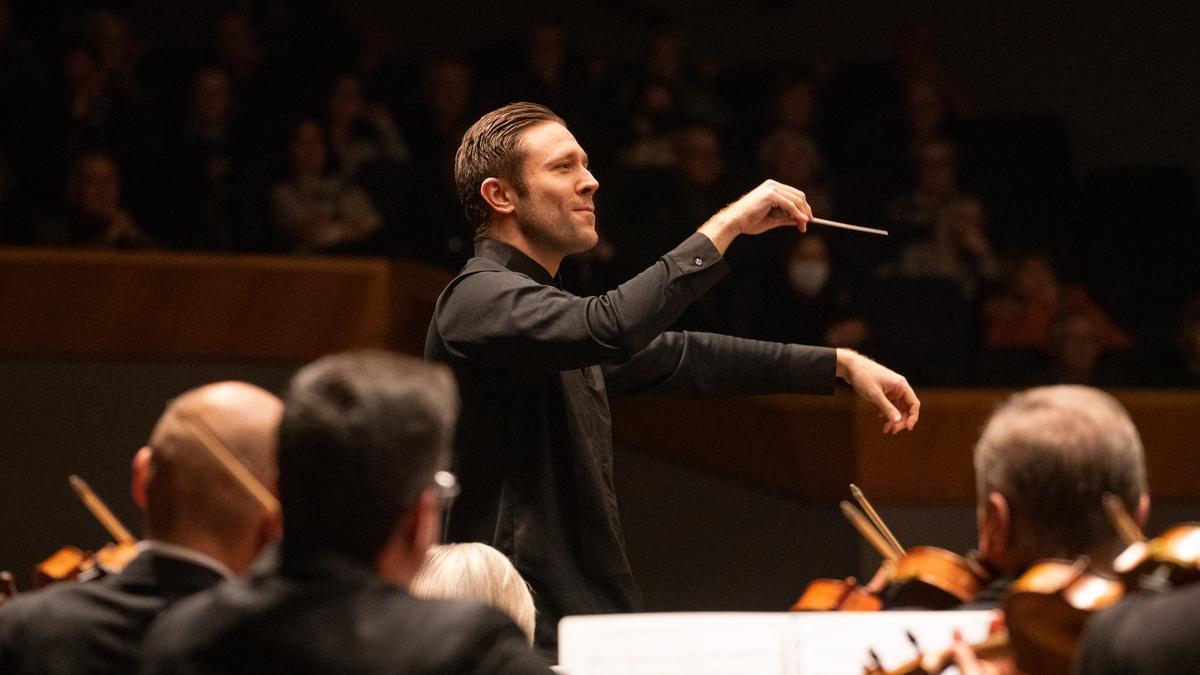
(492, 148)
(362, 435)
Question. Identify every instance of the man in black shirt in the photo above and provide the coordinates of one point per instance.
(536, 364)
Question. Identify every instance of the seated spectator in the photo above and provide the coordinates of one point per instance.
(362, 445)
(205, 147)
(1021, 315)
(958, 250)
(314, 210)
(791, 157)
(476, 572)
(927, 113)
(935, 184)
(361, 132)
(807, 301)
(201, 526)
(94, 216)
(435, 229)
(655, 117)
(1076, 355)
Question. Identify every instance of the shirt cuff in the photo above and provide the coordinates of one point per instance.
(696, 254)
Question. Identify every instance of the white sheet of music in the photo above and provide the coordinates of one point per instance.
(733, 643)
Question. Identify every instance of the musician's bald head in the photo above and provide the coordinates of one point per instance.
(188, 497)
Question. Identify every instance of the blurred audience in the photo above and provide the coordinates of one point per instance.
(196, 131)
(314, 209)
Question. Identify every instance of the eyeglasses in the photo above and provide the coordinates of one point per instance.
(447, 488)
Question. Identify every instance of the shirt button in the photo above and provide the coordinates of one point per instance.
(699, 261)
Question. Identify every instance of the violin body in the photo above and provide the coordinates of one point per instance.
(1047, 608)
(1170, 559)
(928, 577)
(837, 595)
(71, 564)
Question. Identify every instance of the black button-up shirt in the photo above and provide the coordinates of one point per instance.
(535, 366)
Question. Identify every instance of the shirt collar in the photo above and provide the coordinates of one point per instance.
(177, 552)
(512, 258)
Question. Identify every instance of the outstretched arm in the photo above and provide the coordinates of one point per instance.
(888, 390)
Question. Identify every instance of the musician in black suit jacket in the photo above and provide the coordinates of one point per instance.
(362, 445)
(200, 527)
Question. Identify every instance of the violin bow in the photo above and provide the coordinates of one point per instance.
(874, 516)
(1121, 521)
(864, 527)
(238, 471)
(101, 511)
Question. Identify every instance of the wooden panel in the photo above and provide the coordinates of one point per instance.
(190, 305)
(799, 445)
(813, 447)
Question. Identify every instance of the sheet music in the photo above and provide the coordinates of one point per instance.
(785, 643)
(704, 643)
(838, 642)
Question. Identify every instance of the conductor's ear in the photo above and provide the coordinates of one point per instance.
(498, 194)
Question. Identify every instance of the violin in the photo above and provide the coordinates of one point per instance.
(837, 595)
(1164, 562)
(1046, 610)
(72, 564)
(920, 577)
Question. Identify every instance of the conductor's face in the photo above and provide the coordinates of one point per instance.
(556, 211)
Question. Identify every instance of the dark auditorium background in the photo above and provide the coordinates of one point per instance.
(197, 190)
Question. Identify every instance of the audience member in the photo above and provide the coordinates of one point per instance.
(958, 250)
(205, 145)
(1021, 315)
(1077, 356)
(935, 184)
(317, 211)
(792, 157)
(363, 440)
(805, 299)
(361, 132)
(94, 216)
(436, 231)
(201, 526)
(475, 571)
